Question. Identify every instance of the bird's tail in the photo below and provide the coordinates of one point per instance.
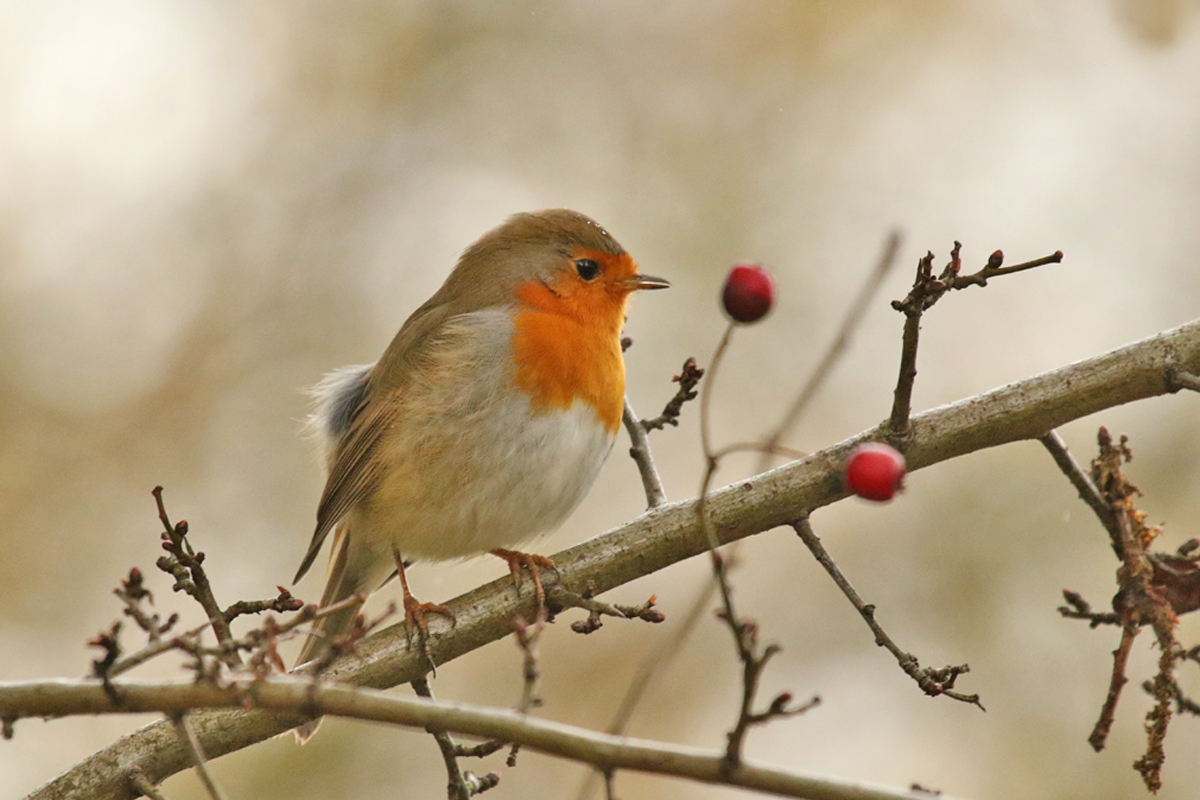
(350, 573)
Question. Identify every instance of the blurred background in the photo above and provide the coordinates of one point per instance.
(206, 206)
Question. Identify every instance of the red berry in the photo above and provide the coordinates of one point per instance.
(875, 471)
(749, 293)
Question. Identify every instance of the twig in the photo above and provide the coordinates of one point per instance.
(610, 785)
(744, 631)
(652, 666)
(139, 781)
(932, 681)
(188, 737)
(1152, 589)
(345, 643)
(706, 390)
(1082, 483)
(285, 696)
(461, 785)
(527, 638)
(1018, 411)
(249, 642)
(1078, 608)
(1116, 683)
(926, 291)
(1181, 379)
(639, 451)
(559, 598)
(1158, 719)
(850, 322)
(688, 378)
(282, 603)
(1183, 704)
(528, 643)
(186, 565)
(132, 592)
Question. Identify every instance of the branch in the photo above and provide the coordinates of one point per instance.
(666, 535)
(287, 695)
(933, 682)
(1153, 588)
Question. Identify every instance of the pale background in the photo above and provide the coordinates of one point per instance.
(206, 205)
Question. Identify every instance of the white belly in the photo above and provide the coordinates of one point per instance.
(525, 473)
(468, 469)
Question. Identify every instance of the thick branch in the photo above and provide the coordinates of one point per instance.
(1024, 410)
(608, 753)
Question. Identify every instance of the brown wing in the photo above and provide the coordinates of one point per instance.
(353, 474)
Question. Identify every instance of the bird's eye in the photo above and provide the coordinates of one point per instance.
(587, 268)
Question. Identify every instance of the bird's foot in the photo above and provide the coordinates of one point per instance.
(518, 561)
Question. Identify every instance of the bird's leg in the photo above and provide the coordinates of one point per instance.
(516, 561)
(415, 610)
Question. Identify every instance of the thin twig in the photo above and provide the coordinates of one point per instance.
(559, 598)
(188, 737)
(689, 376)
(527, 639)
(639, 429)
(993, 270)
(1078, 608)
(193, 579)
(850, 322)
(1116, 683)
(249, 642)
(1082, 482)
(706, 389)
(139, 781)
(460, 785)
(282, 603)
(639, 451)
(1164, 690)
(610, 785)
(1152, 589)
(653, 665)
(744, 631)
(932, 681)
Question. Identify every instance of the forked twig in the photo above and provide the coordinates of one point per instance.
(926, 291)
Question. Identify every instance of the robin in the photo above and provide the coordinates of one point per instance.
(486, 420)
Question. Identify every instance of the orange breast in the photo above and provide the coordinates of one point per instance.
(566, 348)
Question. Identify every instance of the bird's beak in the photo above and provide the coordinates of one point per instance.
(635, 282)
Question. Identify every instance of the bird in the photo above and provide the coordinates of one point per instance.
(486, 420)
